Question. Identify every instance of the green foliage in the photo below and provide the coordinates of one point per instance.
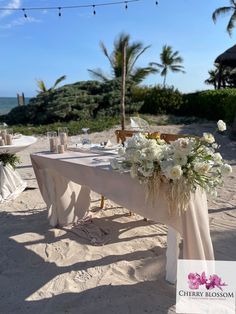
(74, 127)
(211, 104)
(10, 159)
(222, 11)
(170, 61)
(158, 100)
(79, 101)
(134, 51)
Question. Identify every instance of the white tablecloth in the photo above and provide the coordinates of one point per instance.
(11, 184)
(65, 181)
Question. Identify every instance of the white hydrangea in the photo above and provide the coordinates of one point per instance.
(217, 158)
(183, 145)
(221, 125)
(180, 158)
(226, 169)
(137, 141)
(146, 169)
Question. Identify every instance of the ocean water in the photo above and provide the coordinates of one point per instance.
(7, 103)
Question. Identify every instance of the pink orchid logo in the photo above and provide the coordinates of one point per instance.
(195, 280)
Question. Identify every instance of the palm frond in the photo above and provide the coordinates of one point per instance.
(231, 23)
(155, 64)
(41, 85)
(105, 51)
(139, 74)
(221, 11)
(98, 75)
(137, 57)
(177, 68)
(58, 81)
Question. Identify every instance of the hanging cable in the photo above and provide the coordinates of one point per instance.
(70, 6)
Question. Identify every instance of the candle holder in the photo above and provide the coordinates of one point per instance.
(9, 136)
(63, 136)
(52, 136)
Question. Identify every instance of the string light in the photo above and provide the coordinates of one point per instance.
(70, 7)
(94, 11)
(59, 9)
(25, 15)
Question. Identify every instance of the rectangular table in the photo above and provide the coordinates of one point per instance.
(65, 181)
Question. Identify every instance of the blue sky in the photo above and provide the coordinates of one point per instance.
(45, 46)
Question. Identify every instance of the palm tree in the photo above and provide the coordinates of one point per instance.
(170, 61)
(42, 86)
(133, 52)
(231, 9)
(213, 78)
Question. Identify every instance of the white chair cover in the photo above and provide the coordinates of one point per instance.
(11, 184)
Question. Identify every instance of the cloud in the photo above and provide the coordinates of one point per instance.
(20, 21)
(13, 4)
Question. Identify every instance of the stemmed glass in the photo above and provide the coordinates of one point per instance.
(85, 139)
(75, 140)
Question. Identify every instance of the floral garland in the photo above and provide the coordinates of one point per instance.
(186, 163)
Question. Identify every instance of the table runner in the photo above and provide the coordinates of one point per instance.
(65, 182)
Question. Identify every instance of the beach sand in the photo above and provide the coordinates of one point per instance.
(47, 270)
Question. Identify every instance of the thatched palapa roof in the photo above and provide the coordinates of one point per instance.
(228, 57)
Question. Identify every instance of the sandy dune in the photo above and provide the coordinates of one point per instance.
(47, 270)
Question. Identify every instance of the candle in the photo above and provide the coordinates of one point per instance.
(2, 142)
(53, 144)
(61, 148)
(3, 134)
(63, 139)
(8, 139)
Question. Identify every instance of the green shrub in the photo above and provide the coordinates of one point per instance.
(210, 104)
(158, 100)
(74, 127)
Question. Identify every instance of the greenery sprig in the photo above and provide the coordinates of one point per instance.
(10, 159)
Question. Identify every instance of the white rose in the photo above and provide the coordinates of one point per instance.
(215, 145)
(202, 167)
(217, 158)
(221, 125)
(174, 173)
(208, 137)
(226, 169)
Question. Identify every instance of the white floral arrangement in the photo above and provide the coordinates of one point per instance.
(186, 163)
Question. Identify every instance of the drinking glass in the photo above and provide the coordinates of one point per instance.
(85, 139)
(63, 136)
(75, 140)
(52, 136)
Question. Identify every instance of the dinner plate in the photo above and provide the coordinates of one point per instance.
(93, 148)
